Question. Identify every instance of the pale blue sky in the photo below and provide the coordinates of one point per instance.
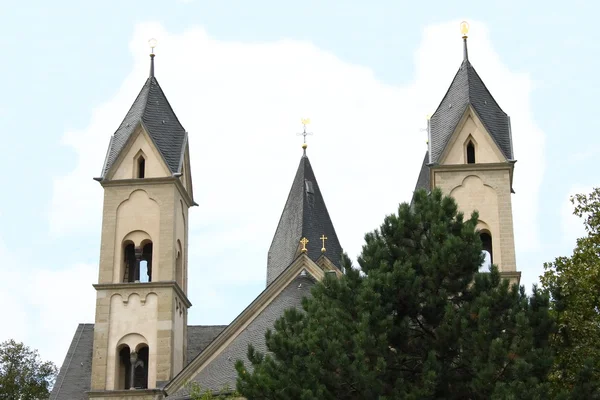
(62, 61)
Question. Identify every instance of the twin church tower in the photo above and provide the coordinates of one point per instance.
(141, 339)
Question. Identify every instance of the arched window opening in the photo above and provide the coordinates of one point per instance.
(129, 262)
(141, 167)
(123, 380)
(470, 153)
(486, 242)
(137, 263)
(140, 368)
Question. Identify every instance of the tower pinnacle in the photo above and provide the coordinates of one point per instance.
(152, 44)
(464, 29)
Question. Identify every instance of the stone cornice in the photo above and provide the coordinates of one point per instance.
(152, 181)
(145, 285)
(244, 319)
(474, 167)
(125, 393)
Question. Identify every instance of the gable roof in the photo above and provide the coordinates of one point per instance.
(75, 376)
(466, 89)
(152, 110)
(215, 366)
(304, 215)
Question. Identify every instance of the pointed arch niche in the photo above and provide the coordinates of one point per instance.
(470, 150)
(139, 165)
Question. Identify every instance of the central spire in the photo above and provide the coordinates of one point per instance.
(304, 220)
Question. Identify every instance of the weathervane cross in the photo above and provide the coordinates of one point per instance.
(305, 121)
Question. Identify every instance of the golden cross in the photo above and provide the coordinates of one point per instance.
(304, 241)
(323, 238)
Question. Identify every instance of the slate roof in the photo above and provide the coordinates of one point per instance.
(468, 88)
(423, 181)
(152, 109)
(74, 378)
(304, 215)
(219, 372)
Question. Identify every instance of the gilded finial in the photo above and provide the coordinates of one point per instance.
(152, 44)
(305, 121)
(303, 241)
(323, 239)
(464, 29)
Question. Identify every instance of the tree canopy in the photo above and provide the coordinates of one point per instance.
(418, 321)
(574, 283)
(23, 375)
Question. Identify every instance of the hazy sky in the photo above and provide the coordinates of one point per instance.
(239, 76)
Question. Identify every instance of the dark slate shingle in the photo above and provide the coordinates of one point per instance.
(200, 336)
(423, 181)
(468, 88)
(74, 378)
(152, 109)
(304, 215)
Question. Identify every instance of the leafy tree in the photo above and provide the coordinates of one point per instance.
(23, 375)
(574, 284)
(197, 392)
(419, 322)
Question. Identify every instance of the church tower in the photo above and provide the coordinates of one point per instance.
(470, 157)
(140, 334)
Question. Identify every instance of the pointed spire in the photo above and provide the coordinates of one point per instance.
(464, 29)
(152, 44)
(468, 90)
(152, 110)
(304, 219)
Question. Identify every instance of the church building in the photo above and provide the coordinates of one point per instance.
(141, 346)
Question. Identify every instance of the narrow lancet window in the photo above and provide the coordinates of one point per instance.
(141, 167)
(139, 363)
(470, 153)
(129, 263)
(123, 369)
(147, 257)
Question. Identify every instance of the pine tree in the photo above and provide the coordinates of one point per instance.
(417, 322)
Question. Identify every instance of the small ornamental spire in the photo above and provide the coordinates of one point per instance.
(464, 29)
(323, 239)
(305, 121)
(303, 242)
(152, 44)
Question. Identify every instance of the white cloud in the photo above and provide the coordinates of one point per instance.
(241, 103)
(42, 307)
